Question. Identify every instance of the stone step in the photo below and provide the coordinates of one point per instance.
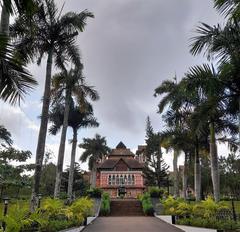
(126, 208)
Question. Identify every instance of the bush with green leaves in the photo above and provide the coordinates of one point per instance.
(147, 204)
(170, 205)
(156, 192)
(95, 192)
(200, 214)
(51, 217)
(105, 205)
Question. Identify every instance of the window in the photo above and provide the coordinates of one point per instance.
(129, 180)
(121, 180)
(117, 180)
(133, 180)
(109, 180)
(125, 179)
(113, 180)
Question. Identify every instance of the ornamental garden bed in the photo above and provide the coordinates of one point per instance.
(207, 214)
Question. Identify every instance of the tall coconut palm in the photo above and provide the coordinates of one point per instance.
(52, 34)
(77, 120)
(95, 149)
(210, 112)
(172, 98)
(223, 43)
(68, 84)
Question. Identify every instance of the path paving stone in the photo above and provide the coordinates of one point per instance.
(130, 224)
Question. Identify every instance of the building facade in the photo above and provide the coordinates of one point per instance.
(121, 173)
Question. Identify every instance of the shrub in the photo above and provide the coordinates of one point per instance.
(83, 207)
(105, 205)
(183, 209)
(147, 204)
(170, 205)
(156, 192)
(95, 192)
(52, 216)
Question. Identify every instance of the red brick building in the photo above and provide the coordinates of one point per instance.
(121, 170)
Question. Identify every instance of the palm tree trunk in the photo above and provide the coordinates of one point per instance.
(239, 125)
(71, 169)
(4, 25)
(214, 163)
(42, 133)
(197, 173)
(94, 176)
(62, 146)
(175, 171)
(185, 176)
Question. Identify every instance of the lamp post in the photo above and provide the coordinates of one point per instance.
(39, 200)
(233, 209)
(5, 210)
(188, 194)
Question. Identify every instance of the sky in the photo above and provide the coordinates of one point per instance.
(128, 49)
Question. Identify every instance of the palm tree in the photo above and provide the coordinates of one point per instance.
(72, 83)
(15, 80)
(48, 33)
(223, 43)
(172, 99)
(228, 8)
(211, 112)
(9, 7)
(95, 149)
(77, 119)
(5, 137)
(181, 104)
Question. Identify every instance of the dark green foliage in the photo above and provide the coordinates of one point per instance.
(53, 216)
(80, 186)
(15, 80)
(105, 206)
(156, 192)
(95, 148)
(155, 169)
(95, 192)
(230, 175)
(147, 204)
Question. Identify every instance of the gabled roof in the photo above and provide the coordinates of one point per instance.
(111, 163)
(121, 145)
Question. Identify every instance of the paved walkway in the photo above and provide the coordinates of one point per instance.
(130, 224)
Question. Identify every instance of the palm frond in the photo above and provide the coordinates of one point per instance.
(15, 80)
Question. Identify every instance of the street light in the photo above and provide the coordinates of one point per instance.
(5, 210)
(233, 209)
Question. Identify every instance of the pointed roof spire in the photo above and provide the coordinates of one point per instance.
(121, 146)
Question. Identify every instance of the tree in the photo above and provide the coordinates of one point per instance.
(15, 80)
(77, 119)
(67, 84)
(222, 43)
(95, 149)
(172, 98)
(13, 175)
(155, 168)
(5, 137)
(79, 184)
(52, 34)
(210, 112)
(230, 174)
